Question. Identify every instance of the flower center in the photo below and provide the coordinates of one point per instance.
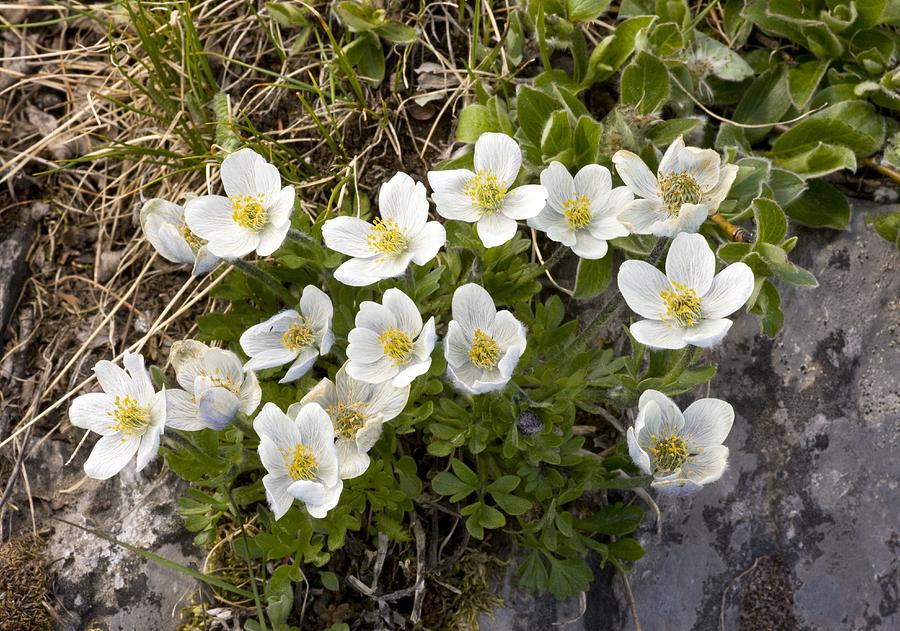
(486, 191)
(301, 463)
(669, 452)
(386, 237)
(298, 335)
(682, 304)
(676, 189)
(194, 242)
(224, 382)
(577, 211)
(484, 351)
(397, 345)
(347, 419)
(129, 417)
(248, 211)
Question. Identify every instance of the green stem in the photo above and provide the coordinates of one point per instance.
(299, 236)
(241, 422)
(246, 555)
(702, 14)
(265, 278)
(684, 361)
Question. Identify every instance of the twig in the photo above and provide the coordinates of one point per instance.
(732, 231)
(884, 170)
(419, 587)
(631, 602)
(732, 584)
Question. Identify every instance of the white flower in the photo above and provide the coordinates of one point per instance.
(256, 215)
(389, 341)
(687, 304)
(384, 249)
(582, 212)
(129, 415)
(300, 458)
(357, 410)
(483, 345)
(689, 186)
(216, 387)
(682, 451)
(292, 337)
(486, 196)
(164, 226)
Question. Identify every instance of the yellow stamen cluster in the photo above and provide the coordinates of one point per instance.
(396, 345)
(298, 335)
(224, 382)
(130, 417)
(484, 351)
(486, 191)
(301, 462)
(679, 188)
(386, 237)
(669, 452)
(682, 304)
(346, 418)
(194, 242)
(248, 211)
(577, 211)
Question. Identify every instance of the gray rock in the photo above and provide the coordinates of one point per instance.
(13, 250)
(811, 493)
(100, 584)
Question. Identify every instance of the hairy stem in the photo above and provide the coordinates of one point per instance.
(265, 278)
(554, 258)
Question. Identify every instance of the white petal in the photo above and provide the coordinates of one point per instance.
(110, 455)
(301, 366)
(507, 331)
(406, 314)
(589, 247)
(635, 174)
(209, 217)
(182, 412)
(223, 365)
(348, 235)
(691, 262)
(457, 206)
(331, 499)
(271, 238)
(703, 164)
(559, 184)
(473, 308)
(660, 415)
(607, 228)
(611, 204)
(93, 411)
(496, 229)
(114, 380)
(271, 456)
(642, 214)
(375, 317)
(134, 364)
(316, 306)
(675, 486)
(250, 393)
(317, 433)
(217, 407)
(277, 494)
(507, 364)
(368, 435)
(387, 400)
(281, 207)
(706, 467)
(266, 336)
(498, 154)
(669, 160)
(324, 393)
(690, 218)
(594, 182)
(358, 272)
(353, 463)
(407, 374)
(641, 286)
(148, 448)
(428, 242)
(714, 197)
(456, 345)
(730, 290)
(450, 181)
(378, 371)
(205, 262)
(245, 172)
(364, 346)
(271, 358)
(658, 334)
(707, 333)
(524, 202)
(275, 424)
(402, 199)
(638, 455)
(707, 423)
(167, 239)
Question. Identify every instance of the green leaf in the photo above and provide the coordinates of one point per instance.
(357, 16)
(568, 577)
(645, 83)
(330, 581)
(475, 120)
(586, 141)
(533, 574)
(765, 101)
(365, 53)
(768, 308)
(445, 483)
(397, 33)
(821, 205)
(626, 549)
(666, 132)
(726, 64)
(512, 504)
(617, 519)
(504, 484)
(464, 473)
(592, 277)
(557, 134)
(820, 160)
(614, 50)
(666, 39)
(771, 223)
(533, 109)
(854, 124)
(886, 225)
(585, 10)
(803, 80)
(777, 260)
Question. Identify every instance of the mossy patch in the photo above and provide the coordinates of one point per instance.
(23, 586)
